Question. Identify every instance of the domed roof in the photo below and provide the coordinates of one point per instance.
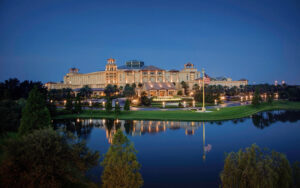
(111, 60)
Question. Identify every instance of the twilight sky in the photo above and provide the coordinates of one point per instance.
(255, 39)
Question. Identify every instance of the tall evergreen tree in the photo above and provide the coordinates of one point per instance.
(117, 108)
(108, 105)
(77, 107)
(127, 105)
(35, 114)
(121, 168)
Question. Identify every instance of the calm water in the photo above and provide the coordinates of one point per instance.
(190, 154)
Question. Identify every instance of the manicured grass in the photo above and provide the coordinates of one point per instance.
(222, 114)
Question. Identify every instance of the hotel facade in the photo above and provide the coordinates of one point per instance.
(150, 79)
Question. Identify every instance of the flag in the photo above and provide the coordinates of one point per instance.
(206, 79)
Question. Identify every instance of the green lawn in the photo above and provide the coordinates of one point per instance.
(222, 114)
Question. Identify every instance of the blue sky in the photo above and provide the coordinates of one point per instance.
(256, 39)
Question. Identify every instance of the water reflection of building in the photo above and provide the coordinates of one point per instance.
(134, 127)
(83, 127)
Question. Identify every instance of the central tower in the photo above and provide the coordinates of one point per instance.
(111, 72)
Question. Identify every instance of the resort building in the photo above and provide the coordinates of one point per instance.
(150, 79)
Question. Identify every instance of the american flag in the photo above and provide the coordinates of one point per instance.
(206, 79)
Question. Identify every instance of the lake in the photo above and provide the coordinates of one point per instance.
(190, 154)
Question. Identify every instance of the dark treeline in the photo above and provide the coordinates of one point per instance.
(13, 97)
(14, 89)
(213, 92)
(265, 119)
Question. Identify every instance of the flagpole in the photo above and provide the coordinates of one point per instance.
(203, 103)
(204, 152)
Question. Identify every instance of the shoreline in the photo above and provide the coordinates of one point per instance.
(226, 113)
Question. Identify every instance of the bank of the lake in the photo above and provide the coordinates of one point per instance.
(185, 115)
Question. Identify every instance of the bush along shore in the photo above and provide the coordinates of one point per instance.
(226, 113)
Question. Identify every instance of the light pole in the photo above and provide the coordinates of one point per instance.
(203, 103)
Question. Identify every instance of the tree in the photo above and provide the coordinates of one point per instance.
(127, 105)
(52, 108)
(270, 98)
(85, 91)
(140, 85)
(10, 115)
(35, 114)
(78, 107)
(210, 95)
(185, 86)
(179, 93)
(256, 99)
(69, 104)
(109, 90)
(254, 168)
(60, 94)
(145, 100)
(296, 173)
(129, 91)
(108, 105)
(133, 85)
(121, 168)
(14, 89)
(196, 87)
(117, 108)
(45, 158)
